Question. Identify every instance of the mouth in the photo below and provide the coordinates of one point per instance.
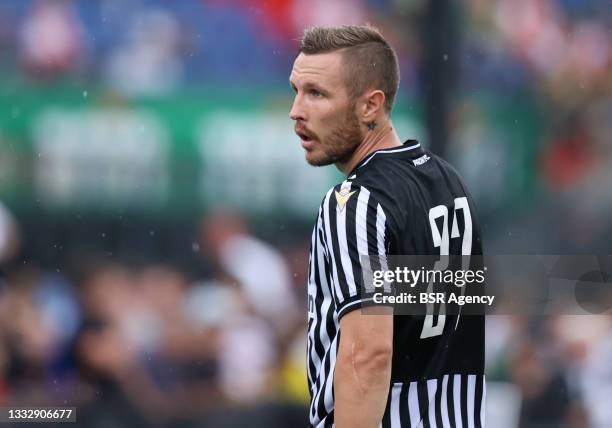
(306, 139)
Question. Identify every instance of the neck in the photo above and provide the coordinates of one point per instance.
(382, 137)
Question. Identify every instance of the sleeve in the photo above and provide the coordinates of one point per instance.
(358, 235)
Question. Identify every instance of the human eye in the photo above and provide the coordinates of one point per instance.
(315, 93)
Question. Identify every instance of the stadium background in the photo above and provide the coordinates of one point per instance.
(156, 207)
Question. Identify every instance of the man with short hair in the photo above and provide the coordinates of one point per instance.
(383, 370)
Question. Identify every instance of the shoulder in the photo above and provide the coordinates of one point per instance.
(387, 180)
(445, 165)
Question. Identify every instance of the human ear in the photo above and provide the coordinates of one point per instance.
(373, 104)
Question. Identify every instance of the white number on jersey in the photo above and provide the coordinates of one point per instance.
(441, 239)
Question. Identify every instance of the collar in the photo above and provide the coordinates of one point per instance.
(409, 147)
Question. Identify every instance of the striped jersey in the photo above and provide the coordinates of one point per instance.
(398, 201)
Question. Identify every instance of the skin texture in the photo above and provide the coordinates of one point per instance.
(334, 128)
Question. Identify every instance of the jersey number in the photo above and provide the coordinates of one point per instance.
(441, 240)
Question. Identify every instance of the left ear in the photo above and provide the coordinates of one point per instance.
(373, 103)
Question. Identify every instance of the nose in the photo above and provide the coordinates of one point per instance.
(297, 112)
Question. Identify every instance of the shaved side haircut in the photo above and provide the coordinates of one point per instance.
(368, 59)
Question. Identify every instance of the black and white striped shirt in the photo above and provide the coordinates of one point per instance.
(382, 209)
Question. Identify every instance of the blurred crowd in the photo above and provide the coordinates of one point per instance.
(150, 343)
(551, 370)
(557, 56)
(151, 47)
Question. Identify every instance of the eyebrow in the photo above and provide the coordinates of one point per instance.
(310, 85)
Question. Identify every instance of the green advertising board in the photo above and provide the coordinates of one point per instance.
(64, 149)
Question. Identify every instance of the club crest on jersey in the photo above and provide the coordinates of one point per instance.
(343, 196)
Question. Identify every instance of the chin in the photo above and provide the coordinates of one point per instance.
(315, 158)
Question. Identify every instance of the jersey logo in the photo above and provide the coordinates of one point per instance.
(343, 196)
(421, 160)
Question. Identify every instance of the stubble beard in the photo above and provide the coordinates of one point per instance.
(341, 143)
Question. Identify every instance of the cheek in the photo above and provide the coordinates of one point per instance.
(330, 116)
(334, 120)
(321, 111)
(320, 120)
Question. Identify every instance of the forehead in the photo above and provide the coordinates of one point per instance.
(324, 68)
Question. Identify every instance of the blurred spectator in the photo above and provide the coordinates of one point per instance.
(264, 306)
(38, 321)
(596, 380)
(148, 62)
(51, 39)
(259, 270)
(545, 398)
(569, 157)
(307, 13)
(582, 343)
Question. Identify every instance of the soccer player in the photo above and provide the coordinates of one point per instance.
(379, 370)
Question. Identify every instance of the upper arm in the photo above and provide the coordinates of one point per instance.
(366, 334)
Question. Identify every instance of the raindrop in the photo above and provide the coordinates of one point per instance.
(195, 247)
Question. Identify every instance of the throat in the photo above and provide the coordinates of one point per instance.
(383, 137)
